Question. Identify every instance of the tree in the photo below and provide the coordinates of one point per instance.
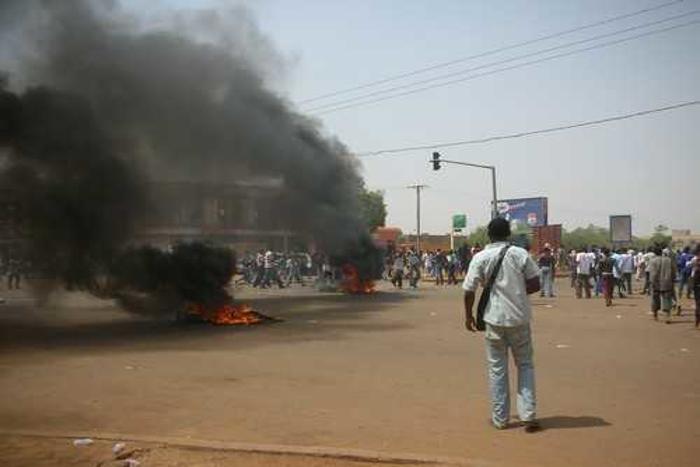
(660, 236)
(585, 236)
(480, 236)
(373, 208)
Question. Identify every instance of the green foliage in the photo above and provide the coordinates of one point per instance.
(585, 236)
(660, 236)
(480, 236)
(373, 208)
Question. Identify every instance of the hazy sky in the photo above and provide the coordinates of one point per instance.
(648, 167)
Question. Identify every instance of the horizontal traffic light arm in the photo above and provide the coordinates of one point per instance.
(481, 166)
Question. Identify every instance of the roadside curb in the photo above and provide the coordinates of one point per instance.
(360, 455)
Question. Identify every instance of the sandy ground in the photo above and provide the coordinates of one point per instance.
(393, 372)
(33, 451)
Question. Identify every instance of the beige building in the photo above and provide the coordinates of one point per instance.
(684, 237)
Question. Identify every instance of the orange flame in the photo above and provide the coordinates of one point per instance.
(353, 283)
(227, 314)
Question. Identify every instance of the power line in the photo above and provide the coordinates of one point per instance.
(530, 133)
(512, 67)
(492, 51)
(500, 62)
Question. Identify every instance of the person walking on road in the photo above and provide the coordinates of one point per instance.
(546, 263)
(685, 271)
(606, 265)
(413, 269)
(513, 276)
(397, 273)
(694, 265)
(571, 262)
(627, 268)
(646, 261)
(439, 264)
(662, 275)
(584, 265)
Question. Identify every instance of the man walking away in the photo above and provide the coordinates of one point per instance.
(507, 318)
(662, 275)
(647, 259)
(694, 265)
(571, 258)
(685, 271)
(606, 267)
(452, 264)
(439, 263)
(546, 263)
(617, 271)
(627, 267)
(413, 269)
(584, 264)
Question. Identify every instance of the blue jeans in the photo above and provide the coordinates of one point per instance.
(547, 279)
(518, 339)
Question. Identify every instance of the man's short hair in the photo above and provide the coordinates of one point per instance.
(499, 229)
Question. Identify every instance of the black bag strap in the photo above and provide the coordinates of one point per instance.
(497, 268)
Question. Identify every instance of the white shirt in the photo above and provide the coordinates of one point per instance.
(269, 260)
(626, 263)
(509, 305)
(584, 261)
(648, 257)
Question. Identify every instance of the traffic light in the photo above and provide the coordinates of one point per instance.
(436, 161)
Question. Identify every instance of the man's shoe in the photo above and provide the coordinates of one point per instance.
(531, 426)
(498, 425)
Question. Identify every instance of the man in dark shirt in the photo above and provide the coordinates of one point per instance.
(547, 263)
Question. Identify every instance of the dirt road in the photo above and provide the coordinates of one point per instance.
(392, 372)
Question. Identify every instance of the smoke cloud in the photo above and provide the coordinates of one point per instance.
(188, 101)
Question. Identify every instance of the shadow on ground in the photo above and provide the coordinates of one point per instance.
(305, 317)
(563, 421)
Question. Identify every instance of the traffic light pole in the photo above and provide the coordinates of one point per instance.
(494, 206)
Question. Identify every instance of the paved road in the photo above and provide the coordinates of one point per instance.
(391, 372)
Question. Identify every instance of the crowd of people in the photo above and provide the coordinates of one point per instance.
(662, 274)
(444, 267)
(665, 275)
(267, 268)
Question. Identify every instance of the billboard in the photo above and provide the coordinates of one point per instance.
(621, 229)
(530, 212)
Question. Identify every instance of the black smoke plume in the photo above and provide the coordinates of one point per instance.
(121, 104)
(79, 200)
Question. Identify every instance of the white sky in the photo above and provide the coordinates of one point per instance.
(648, 167)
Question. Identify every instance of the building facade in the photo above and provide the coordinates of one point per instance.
(240, 215)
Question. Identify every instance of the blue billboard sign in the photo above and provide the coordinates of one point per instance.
(530, 212)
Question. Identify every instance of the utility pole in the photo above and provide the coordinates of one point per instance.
(418, 188)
